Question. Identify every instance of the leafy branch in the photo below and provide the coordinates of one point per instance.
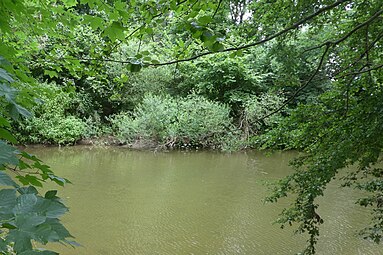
(351, 32)
(320, 64)
(328, 45)
(231, 49)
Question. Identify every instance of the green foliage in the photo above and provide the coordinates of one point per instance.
(25, 216)
(175, 122)
(55, 130)
(222, 78)
(256, 108)
(134, 86)
(325, 57)
(28, 217)
(334, 135)
(52, 123)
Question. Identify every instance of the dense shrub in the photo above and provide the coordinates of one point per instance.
(221, 78)
(51, 122)
(256, 108)
(191, 121)
(134, 86)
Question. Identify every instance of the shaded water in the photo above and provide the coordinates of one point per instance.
(132, 202)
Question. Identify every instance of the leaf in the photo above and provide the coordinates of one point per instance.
(205, 20)
(7, 198)
(217, 47)
(55, 209)
(60, 181)
(4, 75)
(115, 31)
(3, 245)
(26, 231)
(8, 92)
(22, 179)
(70, 3)
(16, 110)
(43, 168)
(5, 180)
(8, 226)
(8, 154)
(7, 135)
(145, 53)
(134, 67)
(30, 156)
(207, 36)
(51, 231)
(28, 190)
(149, 30)
(121, 6)
(59, 228)
(51, 194)
(23, 165)
(25, 203)
(7, 203)
(94, 21)
(21, 239)
(51, 73)
(4, 122)
(147, 59)
(33, 180)
(72, 243)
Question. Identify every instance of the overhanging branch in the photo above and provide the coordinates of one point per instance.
(374, 68)
(259, 42)
(372, 44)
(371, 19)
(269, 38)
(320, 64)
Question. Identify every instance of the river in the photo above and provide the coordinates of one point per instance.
(140, 202)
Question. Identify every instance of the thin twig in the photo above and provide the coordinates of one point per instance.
(19, 172)
(216, 10)
(362, 71)
(368, 64)
(139, 45)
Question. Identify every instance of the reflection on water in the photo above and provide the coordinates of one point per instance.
(134, 202)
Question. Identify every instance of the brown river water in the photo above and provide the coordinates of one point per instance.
(141, 202)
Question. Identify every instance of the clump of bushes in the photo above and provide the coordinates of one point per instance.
(51, 122)
(256, 108)
(175, 122)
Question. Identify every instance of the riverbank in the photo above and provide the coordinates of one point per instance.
(114, 141)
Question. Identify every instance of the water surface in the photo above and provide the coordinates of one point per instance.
(135, 202)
